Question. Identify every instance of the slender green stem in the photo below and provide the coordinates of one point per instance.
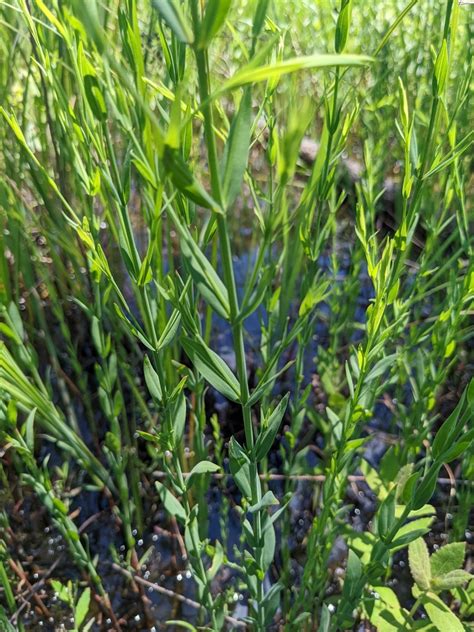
(236, 323)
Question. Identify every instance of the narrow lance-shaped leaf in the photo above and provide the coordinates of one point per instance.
(267, 500)
(240, 467)
(267, 435)
(152, 380)
(446, 435)
(172, 14)
(217, 561)
(171, 503)
(203, 467)
(169, 332)
(259, 17)
(82, 607)
(214, 18)
(212, 367)
(236, 150)
(342, 26)
(353, 575)
(250, 74)
(204, 276)
(184, 180)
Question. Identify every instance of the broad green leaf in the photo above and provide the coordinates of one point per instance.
(440, 615)
(405, 540)
(212, 367)
(426, 510)
(385, 613)
(450, 580)
(82, 607)
(171, 503)
(214, 18)
(237, 150)
(267, 435)
(419, 561)
(172, 14)
(449, 557)
(362, 542)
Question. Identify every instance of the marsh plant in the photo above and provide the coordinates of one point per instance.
(237, 265)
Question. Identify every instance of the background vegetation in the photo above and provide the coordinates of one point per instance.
(236, 290)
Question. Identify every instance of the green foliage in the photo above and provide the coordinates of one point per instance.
(79, 604)
(434, 574)
(294, 178)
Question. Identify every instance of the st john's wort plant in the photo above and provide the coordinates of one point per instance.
(136, 172)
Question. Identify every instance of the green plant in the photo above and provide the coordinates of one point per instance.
(79, 604)
(434, 574)
(139, 138)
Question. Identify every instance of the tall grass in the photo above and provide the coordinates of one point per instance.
(138, 140)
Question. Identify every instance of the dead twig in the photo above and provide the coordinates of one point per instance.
(171, 594)
(32, 588)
